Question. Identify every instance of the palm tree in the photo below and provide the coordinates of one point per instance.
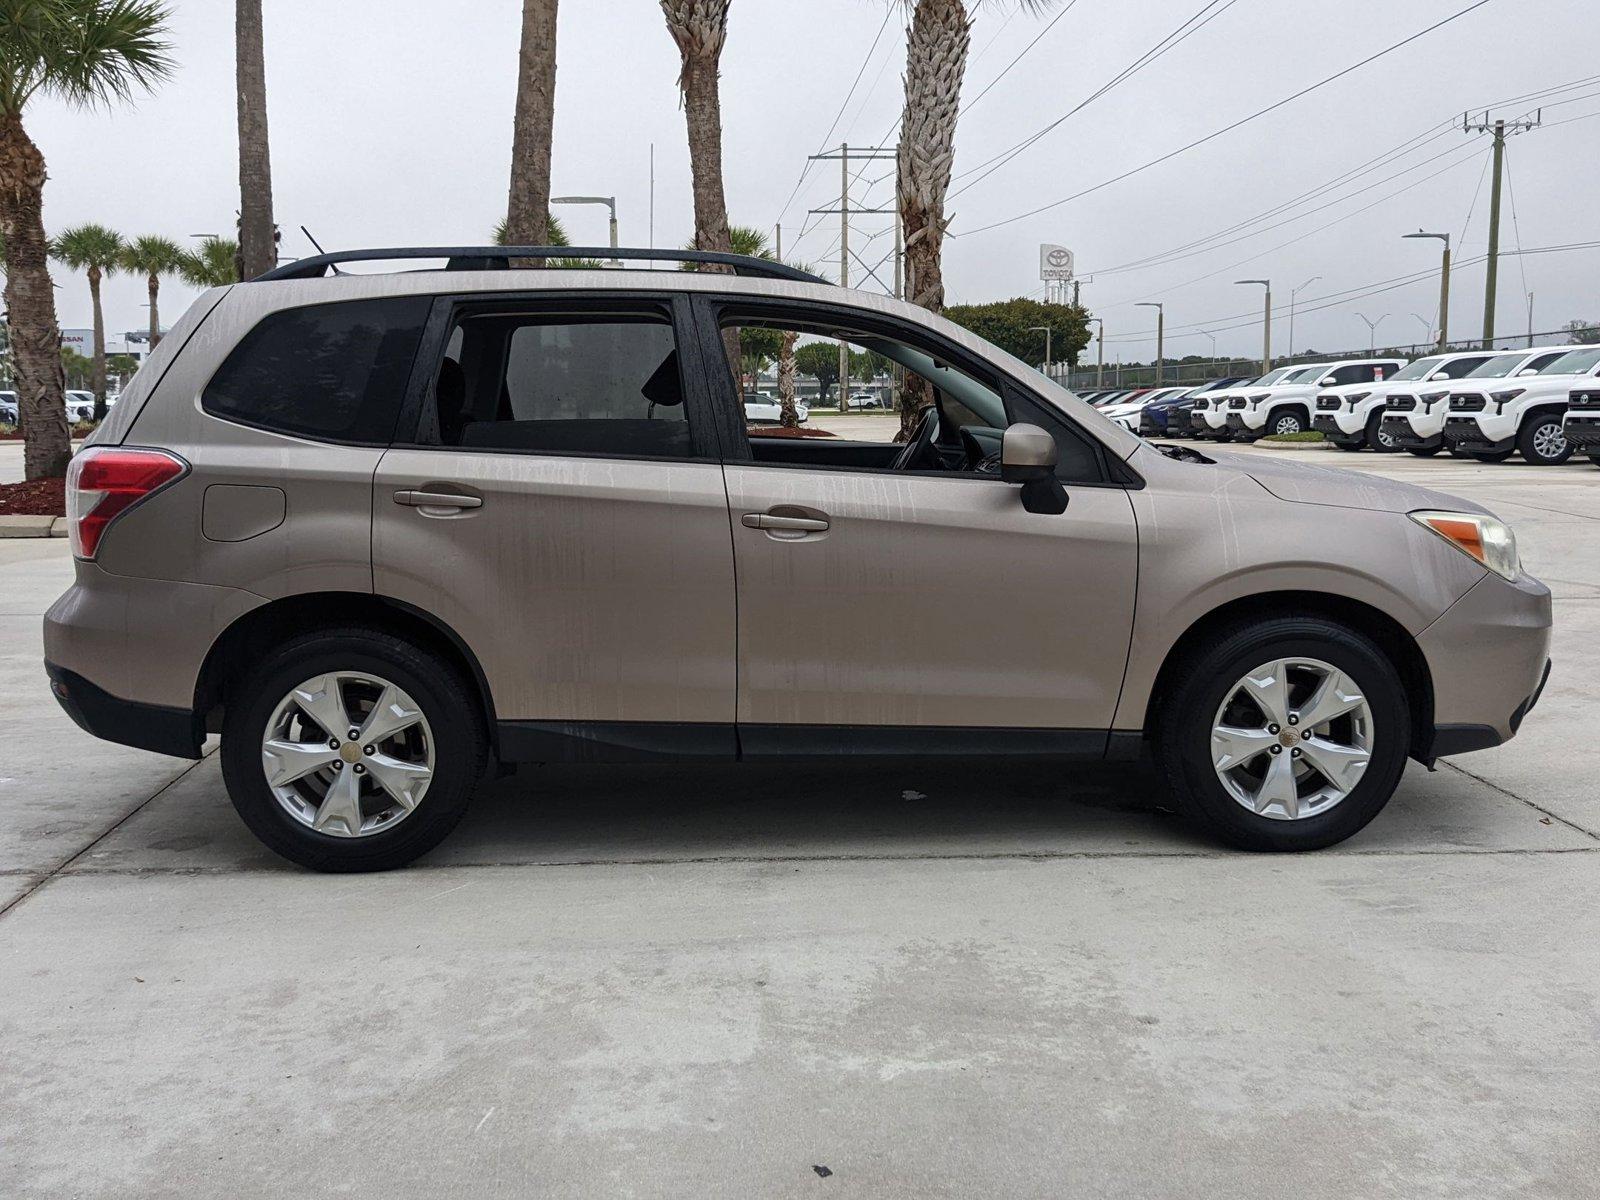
(258, 236)
(87, 53)
(555, 234)
(528, 207)
(937, 41)
(152, 257)
(700, 27)
(215, 264)
(98, 252)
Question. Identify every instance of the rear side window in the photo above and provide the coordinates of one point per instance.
(334, 371)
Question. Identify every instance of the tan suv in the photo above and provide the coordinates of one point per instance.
(384, 531)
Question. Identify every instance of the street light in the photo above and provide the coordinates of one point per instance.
(1266, 325)
(1426, 324)
(1372, 331)
(1100, 353)
(1044, 329)
(1161, 335)
(610, 202)
(1444, 284)
(1213, 338)
(1293, 292)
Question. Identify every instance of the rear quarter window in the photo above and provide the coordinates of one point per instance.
(335, 371)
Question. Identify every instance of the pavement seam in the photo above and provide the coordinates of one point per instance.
(1504, 791)
(62, 866)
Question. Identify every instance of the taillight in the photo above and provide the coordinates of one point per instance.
(104, 482)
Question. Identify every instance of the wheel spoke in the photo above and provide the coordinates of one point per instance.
(1336, 695)
(402, 780)
(340, 810)
(1340, 765)
(1232, 746)
(287, 761)
(1278, 787)
(393, 712)
(322, 701)
(1269, 688)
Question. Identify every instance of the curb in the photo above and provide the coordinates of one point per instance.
(19, 526)
(1295, 446)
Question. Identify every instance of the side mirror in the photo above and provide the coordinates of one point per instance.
(1526, 371)
(1028, 456)
(1330, 382)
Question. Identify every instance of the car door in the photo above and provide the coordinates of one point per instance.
(920, 611)
(560, 507)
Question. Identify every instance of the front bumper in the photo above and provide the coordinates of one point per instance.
(1328, 426)
(1241, 430)
(174, 731)
(1464, 435)
(1582, 432)
(1404, 434)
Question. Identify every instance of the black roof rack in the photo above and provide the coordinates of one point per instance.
(494, 258)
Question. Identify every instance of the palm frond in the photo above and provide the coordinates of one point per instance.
(84, 247)
(151, 255)
(86, 52)
(215, 264)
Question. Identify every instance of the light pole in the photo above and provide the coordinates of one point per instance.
(1293, 292)
(1100, 353)
(1372, 331)
(1426, 324)
(609, 201)
(1045, 329)
(1161, 335)
(1444, 284)
(1266, 325)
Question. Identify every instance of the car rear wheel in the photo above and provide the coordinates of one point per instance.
(352, 750)
(1286, 734)
(1542, 441)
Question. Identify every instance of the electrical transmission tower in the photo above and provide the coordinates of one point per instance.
(1501, 129)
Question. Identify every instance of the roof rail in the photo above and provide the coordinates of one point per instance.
(495, 258)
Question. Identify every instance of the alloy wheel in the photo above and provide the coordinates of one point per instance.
(1292, 738)
(1289, 424)
(1549, 442)
(348, 754)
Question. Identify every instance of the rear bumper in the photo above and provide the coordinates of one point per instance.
(174, 731)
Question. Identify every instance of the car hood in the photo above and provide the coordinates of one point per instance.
(1304, 483)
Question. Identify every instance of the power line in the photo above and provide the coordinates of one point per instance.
(1228, 128)
(965, 108)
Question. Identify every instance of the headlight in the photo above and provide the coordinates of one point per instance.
(1258, 399)
(1356, 398)
(1505, 398)
(1486, 539)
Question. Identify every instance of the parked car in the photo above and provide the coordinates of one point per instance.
(381, 531)
(1285, 407)
(1414, 419)
(865, 399)
(1351, 415)
(1581, 425)
(80, 405)
(1491, 424)
(1126, 412)
(763, 408)
(8, 408)
(1170, 416)
(1212, 421)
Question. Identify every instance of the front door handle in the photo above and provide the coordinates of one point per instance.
(414, 499)
(768, 521)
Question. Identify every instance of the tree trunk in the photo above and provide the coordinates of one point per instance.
(789, 416)
(936, 60)
(528, 207)
(31, 306)
(258, 249)
(154, 285)
(97, 376)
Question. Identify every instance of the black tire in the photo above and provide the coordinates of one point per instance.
(448, 702)
(1286, 422)
(1423, 451)
(1375, 435)
(1202, 682)
(1529, 436)
(1486, 456)
(1595, 459)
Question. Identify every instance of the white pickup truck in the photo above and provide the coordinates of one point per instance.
(1581, 425)
(1286, 406)
(1491, 423)
(1351, 415)
(1210, 418)
(1413, 418)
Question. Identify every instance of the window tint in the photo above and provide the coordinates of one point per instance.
(1461, 367)
(328, 370)
(570, 384)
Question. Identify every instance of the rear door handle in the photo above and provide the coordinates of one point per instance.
(413, 499)
(768, 521)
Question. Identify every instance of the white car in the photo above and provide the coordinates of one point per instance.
(1127, 412)
(1213, 409)
(1491, 423)
(80, 405)
(1286, 406)
(8, 408)
(1351, 416)
(1413, 418)
(863, 399)
(1581, 425)
(763, 408)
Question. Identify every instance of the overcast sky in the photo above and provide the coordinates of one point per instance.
(391, 123)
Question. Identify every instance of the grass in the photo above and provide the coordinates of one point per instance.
(1311, 436)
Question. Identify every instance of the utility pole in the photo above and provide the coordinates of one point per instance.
(1044, 329)
(1499, 128)
(845, 154)
(1444, 284)
(1100, 356)
(1161, 335)
(1530, 320)
(1266, 325)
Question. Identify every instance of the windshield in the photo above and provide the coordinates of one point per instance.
(1420, 369)
(1302, 374)
(1270, 377)
(1498, 368)
(1575, 362)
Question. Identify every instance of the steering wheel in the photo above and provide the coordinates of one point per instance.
(919, 452)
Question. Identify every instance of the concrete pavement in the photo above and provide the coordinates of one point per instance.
(710, 981)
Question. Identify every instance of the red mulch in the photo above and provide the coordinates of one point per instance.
(37, 497)
(781, 431)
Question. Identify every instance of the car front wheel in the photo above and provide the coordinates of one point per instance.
(1287, 423)
(352, 750)
(1286, 734)
(1543, 443)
